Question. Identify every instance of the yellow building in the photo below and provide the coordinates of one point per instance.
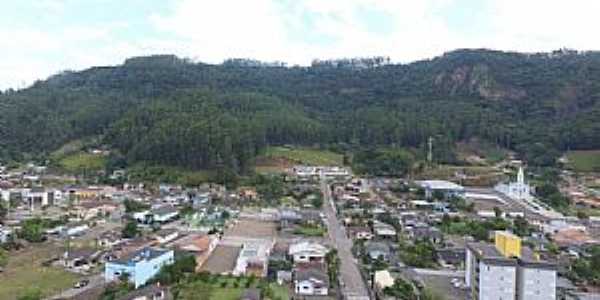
(508, 244)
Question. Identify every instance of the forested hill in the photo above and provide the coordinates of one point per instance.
(167, 110)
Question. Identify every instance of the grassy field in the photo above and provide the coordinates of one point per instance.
(169, 174)
(230, 288)
(275, 159)
(310, 231)
(584, 161)
(25, 272)
(82, 161)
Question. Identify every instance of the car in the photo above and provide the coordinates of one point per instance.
(81, 283)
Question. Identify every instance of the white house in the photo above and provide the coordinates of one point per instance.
(252, 259)
(311, 282)
(305, 252)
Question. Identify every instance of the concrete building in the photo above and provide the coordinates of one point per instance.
(253, 259)
(446, 188)
(307, 252)
(140, 265)
(507, 271)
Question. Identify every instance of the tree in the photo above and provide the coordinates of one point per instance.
(132, 206)
(401, 290)
(317, 202)
(3, 209)
(521, 226)
(497, 212)
(333, 266)
(130, 230)
(32, 230)
(3, 258)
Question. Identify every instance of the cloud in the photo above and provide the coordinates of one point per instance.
(296, 31)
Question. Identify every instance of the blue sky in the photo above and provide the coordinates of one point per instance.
(41, 37)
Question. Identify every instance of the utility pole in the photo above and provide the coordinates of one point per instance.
(430, 150)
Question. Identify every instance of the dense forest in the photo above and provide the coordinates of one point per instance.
(167, 110)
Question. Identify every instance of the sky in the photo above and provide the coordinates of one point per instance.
(39, 38)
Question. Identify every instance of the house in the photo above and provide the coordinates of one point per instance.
(248, 194)
(109, 239)
(151, 292)
(200, 245)
(359, 233)
(6, 234)
(253, 259)
(304, 252)
(384, 230)
(311, 281)
(140, 265)
(250, 294)
(424, 232)
(39, 197)
(377, 250)
(164, 214)
(451, 257)
(164, 236)
(80, 258)
(94, 208)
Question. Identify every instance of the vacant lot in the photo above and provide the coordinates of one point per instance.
(252, 229)
(307, 156)
(584, 161)
(222, 260)
(81, 161)
(25, 272)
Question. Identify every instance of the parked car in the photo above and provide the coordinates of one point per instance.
(81, 283)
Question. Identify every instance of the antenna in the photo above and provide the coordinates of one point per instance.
(430, 149)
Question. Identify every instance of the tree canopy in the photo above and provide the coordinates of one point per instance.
(170, 111)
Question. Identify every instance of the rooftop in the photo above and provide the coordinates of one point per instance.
(146, 253)
(440, 185)
(490, 255)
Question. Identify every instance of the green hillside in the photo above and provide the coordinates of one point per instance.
(164, 110)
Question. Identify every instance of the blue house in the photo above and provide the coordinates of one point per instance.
(140, 265)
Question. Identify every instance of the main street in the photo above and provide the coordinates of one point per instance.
(352, 285)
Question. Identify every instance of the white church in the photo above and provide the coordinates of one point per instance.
(519, 190)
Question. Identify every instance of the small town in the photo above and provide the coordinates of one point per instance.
(299, 150)
(305, 232)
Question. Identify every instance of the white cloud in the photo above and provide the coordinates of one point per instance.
(295, 31)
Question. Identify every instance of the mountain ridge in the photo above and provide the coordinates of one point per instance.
(536, 104)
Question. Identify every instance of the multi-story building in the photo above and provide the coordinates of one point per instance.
(140, 266)
(508, 272)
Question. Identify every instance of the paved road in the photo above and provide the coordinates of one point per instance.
(352, 285)
(95, 281)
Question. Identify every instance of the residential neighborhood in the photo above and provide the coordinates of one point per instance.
(314, 232)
